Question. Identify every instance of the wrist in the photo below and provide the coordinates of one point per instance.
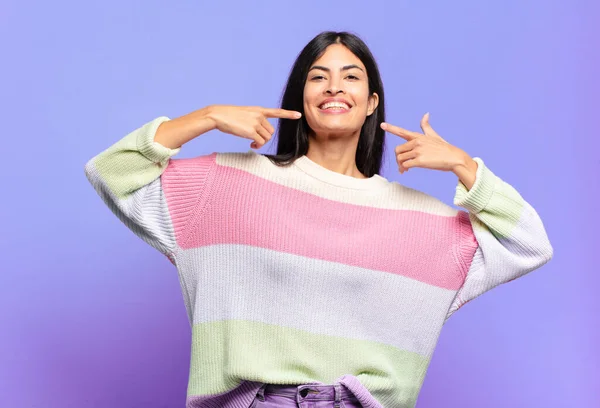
(466, 170)
(205, 118)
(463, 162)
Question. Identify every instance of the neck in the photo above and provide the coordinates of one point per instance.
(335, 153)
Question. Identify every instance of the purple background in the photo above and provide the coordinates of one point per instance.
(91, 316)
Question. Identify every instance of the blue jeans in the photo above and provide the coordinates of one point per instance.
(304, 396)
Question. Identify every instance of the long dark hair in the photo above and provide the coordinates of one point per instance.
(292, 135)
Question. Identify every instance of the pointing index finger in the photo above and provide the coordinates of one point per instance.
(398, 131)
(281, 113)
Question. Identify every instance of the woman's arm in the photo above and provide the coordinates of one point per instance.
(175, 133)
(129, 175)
(506, 232)
(127, 178)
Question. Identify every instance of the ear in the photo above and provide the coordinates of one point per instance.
(373, 103)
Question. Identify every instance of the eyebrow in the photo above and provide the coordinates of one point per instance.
(344, 68)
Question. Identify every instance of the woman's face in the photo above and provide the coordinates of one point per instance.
(336, 93)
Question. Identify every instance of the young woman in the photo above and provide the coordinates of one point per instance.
(309, 279)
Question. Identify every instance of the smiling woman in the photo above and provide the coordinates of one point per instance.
(346, 138)
(309, 279)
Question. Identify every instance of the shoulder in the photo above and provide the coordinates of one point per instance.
(251, 166)
(238, 158)
(226, 159)
(412, 199)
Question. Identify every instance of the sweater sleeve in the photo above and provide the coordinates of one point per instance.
(127, 176)
(508, 235)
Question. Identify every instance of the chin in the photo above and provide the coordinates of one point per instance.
(341, 130)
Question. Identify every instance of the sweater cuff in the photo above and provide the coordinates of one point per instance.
(152, 150)
(477, 198)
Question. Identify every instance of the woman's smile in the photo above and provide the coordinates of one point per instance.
(335, 106)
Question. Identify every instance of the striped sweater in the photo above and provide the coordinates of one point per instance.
(299, 275)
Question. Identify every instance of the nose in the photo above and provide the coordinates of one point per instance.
(335, 86)
(334, 90)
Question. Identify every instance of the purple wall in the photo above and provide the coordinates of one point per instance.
(92, 316)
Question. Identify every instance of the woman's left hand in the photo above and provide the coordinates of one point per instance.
(427, 150)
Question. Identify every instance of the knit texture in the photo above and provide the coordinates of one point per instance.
(299, 275)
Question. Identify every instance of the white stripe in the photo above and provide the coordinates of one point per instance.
(249, 283)
(500, 260)
(144, 211)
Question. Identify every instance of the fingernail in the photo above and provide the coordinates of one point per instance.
(384, 125)
(298, 115)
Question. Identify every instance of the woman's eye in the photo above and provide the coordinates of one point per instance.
(318, 77)
(352, 77)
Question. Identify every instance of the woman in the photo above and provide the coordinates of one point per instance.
(309, 279)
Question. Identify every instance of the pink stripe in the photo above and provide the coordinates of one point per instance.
(246, 209)
(183, 182)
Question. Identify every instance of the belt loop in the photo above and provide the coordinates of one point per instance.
(260, 394)
(337, 389)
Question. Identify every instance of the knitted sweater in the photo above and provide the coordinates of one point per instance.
(298, 274)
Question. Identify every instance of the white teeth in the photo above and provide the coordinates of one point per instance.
(338, 105)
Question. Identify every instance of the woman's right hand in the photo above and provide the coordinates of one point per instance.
(249, 122)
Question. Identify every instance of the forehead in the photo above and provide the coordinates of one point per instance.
(336, 56)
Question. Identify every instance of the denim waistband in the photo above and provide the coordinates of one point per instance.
(310, 392)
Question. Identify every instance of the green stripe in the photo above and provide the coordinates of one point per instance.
(226, 352)
(502, 214)
(134, 161)
(495, 203)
